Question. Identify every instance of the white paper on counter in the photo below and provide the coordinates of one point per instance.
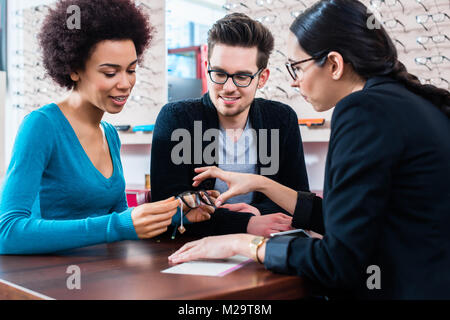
(215, 268)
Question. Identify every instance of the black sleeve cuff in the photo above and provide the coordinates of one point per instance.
(226, 221)
(303, 210)
(223, 221)
(276, 256)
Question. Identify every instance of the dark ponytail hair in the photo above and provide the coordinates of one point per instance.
(348, 27)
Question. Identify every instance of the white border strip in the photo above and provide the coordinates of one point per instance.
(34, 293)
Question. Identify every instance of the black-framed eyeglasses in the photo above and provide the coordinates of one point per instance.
(193, 199)
(297, 73)
(241, 80)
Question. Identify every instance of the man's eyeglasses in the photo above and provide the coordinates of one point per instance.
(297, 73)
(241, 80)
(194, 199)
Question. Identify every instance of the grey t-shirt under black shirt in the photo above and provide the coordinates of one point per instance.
(239, 156)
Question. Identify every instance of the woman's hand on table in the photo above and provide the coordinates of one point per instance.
(217, 247)
(221, 247)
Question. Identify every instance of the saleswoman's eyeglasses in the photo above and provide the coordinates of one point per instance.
(297, 73)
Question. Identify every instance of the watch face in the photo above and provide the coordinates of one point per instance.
(257, 240)
(254, 245)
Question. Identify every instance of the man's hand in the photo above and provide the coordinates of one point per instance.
(203, 212)
(269, 223)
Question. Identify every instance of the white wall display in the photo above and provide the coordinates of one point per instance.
(419, 28)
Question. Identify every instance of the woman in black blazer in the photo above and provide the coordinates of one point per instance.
(383, 227)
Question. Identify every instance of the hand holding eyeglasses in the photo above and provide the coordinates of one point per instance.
(198, 205)
(152, 219)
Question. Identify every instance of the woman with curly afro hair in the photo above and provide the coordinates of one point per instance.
(64, 187)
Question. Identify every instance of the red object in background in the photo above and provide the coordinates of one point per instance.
(201, 56)
(137, 196)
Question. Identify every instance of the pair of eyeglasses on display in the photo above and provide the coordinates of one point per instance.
(393, 23)
(269, 19)
(23, 66)
(45, 91)
(42, 8)
(26, 106)
(389, 3)
(436, 60)
(436, 18)
(40, 90)
(266, 4)
(438, 81)
(232, 6)
(22, 52)
(438, 38)
(40, 78)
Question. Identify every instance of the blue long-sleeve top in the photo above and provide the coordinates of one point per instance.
(53, 198)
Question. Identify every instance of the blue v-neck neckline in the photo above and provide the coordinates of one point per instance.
(81, 150)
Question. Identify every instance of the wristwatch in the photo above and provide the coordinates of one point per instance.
(254, 246)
